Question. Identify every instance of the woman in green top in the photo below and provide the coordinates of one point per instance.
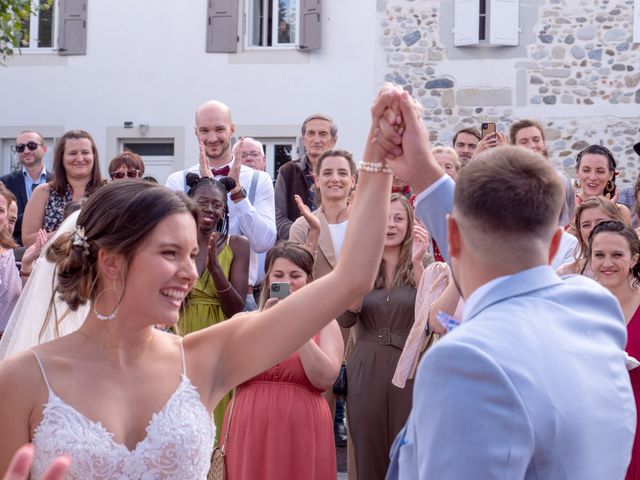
(222, 262)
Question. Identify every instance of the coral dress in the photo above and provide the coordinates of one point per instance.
(633, 349)
(281, 428)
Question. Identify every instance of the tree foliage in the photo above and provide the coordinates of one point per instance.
(14, 23)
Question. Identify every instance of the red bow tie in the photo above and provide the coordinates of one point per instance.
(224, 171)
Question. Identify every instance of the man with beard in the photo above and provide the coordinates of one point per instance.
(256, 221)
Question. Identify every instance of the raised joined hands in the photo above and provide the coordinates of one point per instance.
(401, 138)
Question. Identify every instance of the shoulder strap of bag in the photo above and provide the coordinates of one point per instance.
(226, 434)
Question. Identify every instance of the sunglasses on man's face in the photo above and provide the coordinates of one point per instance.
(119, 175)
(30, 145)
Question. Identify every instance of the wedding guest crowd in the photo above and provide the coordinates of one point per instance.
(485, 307)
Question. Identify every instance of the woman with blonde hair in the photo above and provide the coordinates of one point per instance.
(448, 160)
(588, 214)
(377, 409)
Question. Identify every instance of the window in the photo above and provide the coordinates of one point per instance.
(272, 23)
(60, 27)
(486, 22)
(39, 28)
(277, 151)
(267, 24)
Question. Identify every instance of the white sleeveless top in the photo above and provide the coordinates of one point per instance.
(178, 444)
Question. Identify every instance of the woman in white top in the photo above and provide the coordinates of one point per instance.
(323, 229)
(126, 400)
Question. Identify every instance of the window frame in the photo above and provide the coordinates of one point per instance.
(34, 26)
(249, 26)
(485, 22)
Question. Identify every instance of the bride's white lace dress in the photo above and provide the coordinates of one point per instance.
(178, 443)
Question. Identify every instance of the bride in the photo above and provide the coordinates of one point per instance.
(124, 399)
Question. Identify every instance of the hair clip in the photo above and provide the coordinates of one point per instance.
(79, 239)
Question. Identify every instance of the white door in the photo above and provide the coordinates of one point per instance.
(157, 154)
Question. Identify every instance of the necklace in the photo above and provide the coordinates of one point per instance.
(89, 337)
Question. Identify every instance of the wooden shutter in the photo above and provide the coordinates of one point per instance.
(310, 27)
(222, 26)
(636, 21)
(72, 30)
(504, 22)
(466, 26)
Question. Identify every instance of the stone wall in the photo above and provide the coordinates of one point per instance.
(582, 61)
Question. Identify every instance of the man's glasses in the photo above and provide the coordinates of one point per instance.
(30, 145)
(250, 155)
(119, 175)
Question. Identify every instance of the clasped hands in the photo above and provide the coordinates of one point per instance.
(399, 137)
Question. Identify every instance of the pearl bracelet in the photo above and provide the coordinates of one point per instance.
(375, 167)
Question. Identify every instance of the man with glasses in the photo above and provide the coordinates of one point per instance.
(251, 152)
(31, 149)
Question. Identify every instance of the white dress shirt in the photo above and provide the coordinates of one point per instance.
(257, 222)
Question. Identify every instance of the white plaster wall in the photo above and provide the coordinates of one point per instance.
(146, 63)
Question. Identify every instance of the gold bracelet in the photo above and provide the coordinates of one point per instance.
(375, 167)
(226, 289)
(25, 274)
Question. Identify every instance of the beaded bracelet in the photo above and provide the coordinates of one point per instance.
(375, 167)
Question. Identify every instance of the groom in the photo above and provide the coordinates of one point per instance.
(533, 384)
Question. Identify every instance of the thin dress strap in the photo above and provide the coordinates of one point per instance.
(184, 363)
(44, 375)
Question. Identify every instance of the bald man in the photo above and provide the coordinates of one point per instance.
(254, 218)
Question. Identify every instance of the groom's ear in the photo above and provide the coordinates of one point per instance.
(454, 238)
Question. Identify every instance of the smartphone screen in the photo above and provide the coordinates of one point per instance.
(279, 290)
(488, 129)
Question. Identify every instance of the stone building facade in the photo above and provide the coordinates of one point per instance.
(575, 69)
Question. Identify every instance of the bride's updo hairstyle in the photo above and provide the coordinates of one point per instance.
(118, 218)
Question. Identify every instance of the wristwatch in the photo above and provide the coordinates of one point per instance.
(239, 195)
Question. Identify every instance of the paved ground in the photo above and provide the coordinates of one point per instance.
(341, 457)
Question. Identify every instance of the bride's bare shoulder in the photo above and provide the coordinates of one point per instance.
(20, 371)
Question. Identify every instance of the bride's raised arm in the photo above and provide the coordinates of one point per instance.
(242, 347)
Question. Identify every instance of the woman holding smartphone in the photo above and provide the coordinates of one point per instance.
(279, 424)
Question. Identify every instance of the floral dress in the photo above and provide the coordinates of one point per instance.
(54, 209)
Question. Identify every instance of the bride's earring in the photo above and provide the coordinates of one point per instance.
(114, 312)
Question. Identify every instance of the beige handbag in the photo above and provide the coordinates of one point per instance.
(218, 469)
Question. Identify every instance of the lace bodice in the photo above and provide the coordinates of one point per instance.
(178, 443)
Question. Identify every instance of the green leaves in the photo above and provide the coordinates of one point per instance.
(15, 16)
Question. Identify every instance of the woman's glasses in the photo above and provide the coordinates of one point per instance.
(30, 145)
(120, 174)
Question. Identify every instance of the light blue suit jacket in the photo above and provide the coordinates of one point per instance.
(532, 385)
